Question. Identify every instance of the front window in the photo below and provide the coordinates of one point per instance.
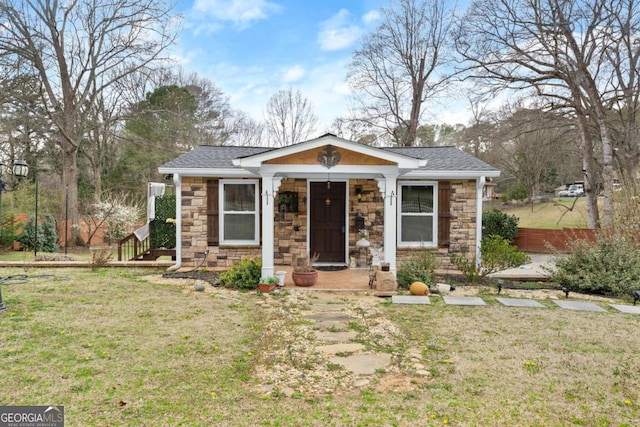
(239, 206)
(416, 212)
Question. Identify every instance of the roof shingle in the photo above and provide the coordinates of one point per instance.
(221, 157)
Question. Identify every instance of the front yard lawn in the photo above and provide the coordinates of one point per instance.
(126, 347)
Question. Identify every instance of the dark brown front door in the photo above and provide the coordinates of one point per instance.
(327, 221)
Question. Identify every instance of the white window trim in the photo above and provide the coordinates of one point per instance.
(256, 213)
(433, 215)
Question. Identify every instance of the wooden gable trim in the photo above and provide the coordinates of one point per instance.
(347, 157)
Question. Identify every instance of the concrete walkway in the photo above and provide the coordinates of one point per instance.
(536, 270)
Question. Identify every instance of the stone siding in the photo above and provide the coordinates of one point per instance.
(463, 221)
(194, 232)
(291, 227)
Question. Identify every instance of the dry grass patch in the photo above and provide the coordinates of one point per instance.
(123, 347)
(117, 350)
(496, 365)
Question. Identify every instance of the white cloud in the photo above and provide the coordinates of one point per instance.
(294, 74)
(371, 17)
(241, 12)
(338, 32)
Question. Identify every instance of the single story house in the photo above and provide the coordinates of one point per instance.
(322, 196)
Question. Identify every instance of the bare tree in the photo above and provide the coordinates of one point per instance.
(246, 131)
(79, 49)
(289, 117)
(532, 142)
(355, 130)
(556, 48)
(623, 58)
(400, 66)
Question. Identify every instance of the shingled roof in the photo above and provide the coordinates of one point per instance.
(444, 158)
(212, 156)
(221, 157)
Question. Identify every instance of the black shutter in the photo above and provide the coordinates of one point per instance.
(444, 213)
(213, 233)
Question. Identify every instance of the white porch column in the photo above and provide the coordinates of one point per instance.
(387, 186)
(177, 182)
(479, 186)
(270, 186)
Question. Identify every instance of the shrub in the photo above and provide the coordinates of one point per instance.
(496, 222)
(517, 192)
(119, 216)
(8, 230)
(467, 267)
(496, 254)
(47, 235)
(242, 275)
(610, 266)
(419, 267)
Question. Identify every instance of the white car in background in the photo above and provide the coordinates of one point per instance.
(573, 190)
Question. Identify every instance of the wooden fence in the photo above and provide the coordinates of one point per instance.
(538, 240)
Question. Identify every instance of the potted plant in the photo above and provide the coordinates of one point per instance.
(304, 273)
(267, 284)
(363, 242)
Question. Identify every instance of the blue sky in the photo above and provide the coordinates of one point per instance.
(252, 48)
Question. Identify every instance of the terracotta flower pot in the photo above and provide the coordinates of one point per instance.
(306, 278)
(265, 288)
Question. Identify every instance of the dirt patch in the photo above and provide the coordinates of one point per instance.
(212, 277)
(398, 382)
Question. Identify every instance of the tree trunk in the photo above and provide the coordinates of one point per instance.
(70, 181)
(591, 195)
(608, 172)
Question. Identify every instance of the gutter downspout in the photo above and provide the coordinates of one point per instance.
(177, 181)
(479, 186)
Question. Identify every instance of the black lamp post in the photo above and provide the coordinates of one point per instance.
(20, 170)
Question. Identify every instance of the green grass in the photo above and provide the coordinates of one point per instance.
(554, 214)
(117, 348)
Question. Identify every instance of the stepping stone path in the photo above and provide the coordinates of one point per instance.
(578, 305)
(463, 300)
(514, 302)
(320, 341)
(331, 320)
(410, 299)
(629, 309)
(519, 302)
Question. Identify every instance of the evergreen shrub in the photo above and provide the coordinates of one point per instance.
(242, 275)
(48, 239)
(608, 266)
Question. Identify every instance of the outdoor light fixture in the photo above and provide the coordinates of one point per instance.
(359, 193)
(20, 170)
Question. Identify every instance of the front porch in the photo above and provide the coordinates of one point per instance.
(350, 279)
